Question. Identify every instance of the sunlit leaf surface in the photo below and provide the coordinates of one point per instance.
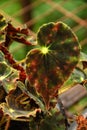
(50, 65)
(77, 77)
(8, 75)
(5, 70)
(83, 56)
(14, 114)
(9, 83)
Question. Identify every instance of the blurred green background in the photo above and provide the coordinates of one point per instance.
(34, 13)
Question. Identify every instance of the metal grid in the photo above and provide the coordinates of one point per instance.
(52, 10)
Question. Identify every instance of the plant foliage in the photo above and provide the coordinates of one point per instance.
(29, 91)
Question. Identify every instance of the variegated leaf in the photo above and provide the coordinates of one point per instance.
(50, 64)
(20, 104)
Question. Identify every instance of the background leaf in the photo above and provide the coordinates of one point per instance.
(20, 106)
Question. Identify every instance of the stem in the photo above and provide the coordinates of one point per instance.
(62, 109)
(9, 57)
(8, 123)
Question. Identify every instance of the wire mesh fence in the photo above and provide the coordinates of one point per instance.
(36, 12)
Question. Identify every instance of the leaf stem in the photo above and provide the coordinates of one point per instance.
(8, 123)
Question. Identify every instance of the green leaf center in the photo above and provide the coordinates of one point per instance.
(44, 50)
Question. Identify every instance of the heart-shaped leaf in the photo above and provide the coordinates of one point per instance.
(50, 64)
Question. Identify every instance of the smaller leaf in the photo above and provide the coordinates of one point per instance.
(19, 105)
(8, 75)
(35, 97)
(5, 70)
(16, 34)
(9, 83)
(14, 114)
(77, 77)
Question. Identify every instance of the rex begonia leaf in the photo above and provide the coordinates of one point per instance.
(77, 77)
(33, 96)
(19, 105)
(50, 64)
